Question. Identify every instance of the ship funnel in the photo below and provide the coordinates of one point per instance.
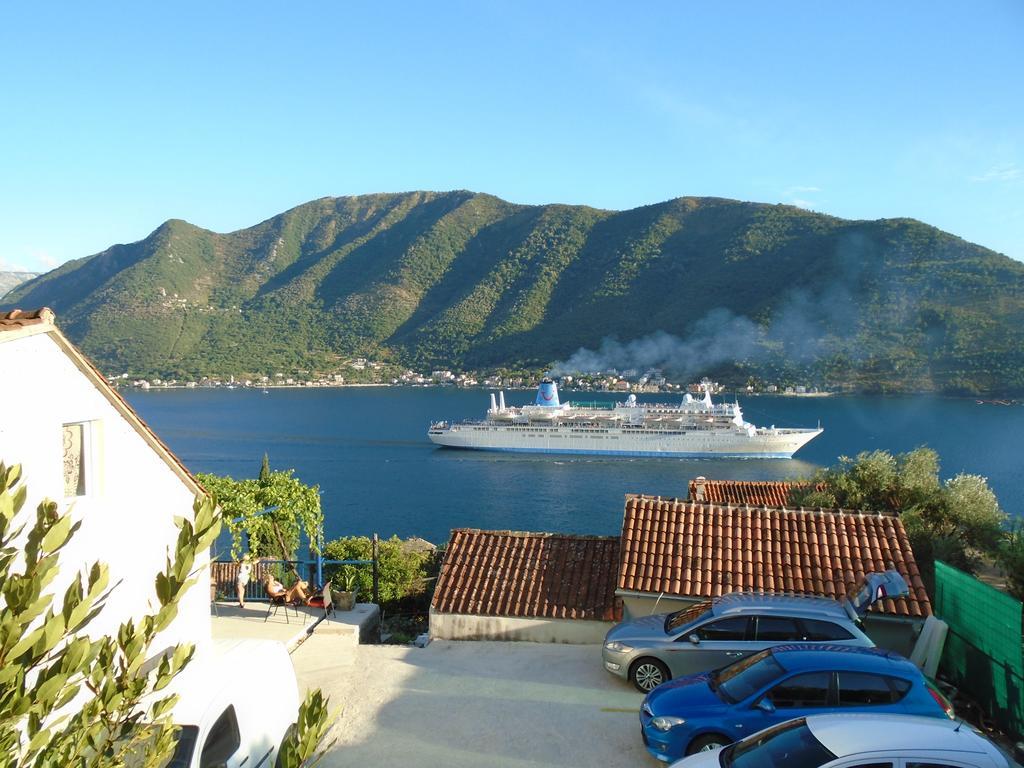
(494, 405)
(501, 401)
(547, 393)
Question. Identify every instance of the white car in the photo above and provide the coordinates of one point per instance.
(858, 741)
(236, 704)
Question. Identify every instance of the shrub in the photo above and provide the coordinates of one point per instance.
(400, 573)
(957, 521)
(1011, 558)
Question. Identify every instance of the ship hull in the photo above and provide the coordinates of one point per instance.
(767, 444)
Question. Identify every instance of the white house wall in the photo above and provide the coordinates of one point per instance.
(132, 495)
(457, 626)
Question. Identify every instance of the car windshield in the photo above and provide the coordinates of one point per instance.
(747, 676)
(681, 618)
(789, 745)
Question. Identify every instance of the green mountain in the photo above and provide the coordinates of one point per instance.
(466, 280)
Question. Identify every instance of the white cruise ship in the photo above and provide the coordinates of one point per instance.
(696, 428)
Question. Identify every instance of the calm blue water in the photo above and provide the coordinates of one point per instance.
(368, 451)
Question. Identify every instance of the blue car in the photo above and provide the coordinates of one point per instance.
(699, 712)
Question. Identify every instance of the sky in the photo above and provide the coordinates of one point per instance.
(115, 117)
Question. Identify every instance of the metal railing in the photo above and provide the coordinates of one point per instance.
(224, 574)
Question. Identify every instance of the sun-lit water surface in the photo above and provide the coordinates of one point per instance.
(368, 451)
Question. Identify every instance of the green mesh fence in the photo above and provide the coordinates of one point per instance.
(983, 649)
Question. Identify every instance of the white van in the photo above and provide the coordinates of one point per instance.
(236, 704)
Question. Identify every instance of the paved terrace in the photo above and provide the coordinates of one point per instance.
(230, 621)
(455, 704)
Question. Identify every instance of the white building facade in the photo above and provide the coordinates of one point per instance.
(80, 444)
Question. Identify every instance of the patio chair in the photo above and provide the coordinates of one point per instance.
(280, 600)
(323, 599)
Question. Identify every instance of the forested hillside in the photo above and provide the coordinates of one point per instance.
(465, 280)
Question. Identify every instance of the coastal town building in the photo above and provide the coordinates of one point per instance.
(674, 553)
(542, 587)
(548, 587)
(80, 444)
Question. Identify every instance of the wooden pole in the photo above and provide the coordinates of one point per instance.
(376, 595)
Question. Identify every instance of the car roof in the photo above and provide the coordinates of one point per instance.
(803, 606)
(842, 658)
(223, 669)
(849, 734)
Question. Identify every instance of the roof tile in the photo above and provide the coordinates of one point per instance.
(19, 318)
(540, 575)
(704, 550)
(760, 493)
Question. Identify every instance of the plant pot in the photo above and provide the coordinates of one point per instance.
(343, 601)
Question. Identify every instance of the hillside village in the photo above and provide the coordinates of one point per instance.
(362, 372)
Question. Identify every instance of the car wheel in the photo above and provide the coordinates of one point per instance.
(648, 674)
(707, 742)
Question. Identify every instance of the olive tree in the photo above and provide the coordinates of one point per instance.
(958, 520)
(67, 698)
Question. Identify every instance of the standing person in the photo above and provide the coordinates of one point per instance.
(244, 572)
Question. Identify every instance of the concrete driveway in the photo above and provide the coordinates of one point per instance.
(456, 704)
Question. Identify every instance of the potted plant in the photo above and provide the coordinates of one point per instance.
(347, 580)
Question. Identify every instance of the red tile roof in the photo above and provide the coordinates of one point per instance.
(757, 493)
(542, 575)
(19, 318)
(704, 550)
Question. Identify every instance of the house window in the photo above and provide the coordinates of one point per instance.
(75, 459)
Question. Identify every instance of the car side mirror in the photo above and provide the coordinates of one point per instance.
(765, 705)
(694, 639)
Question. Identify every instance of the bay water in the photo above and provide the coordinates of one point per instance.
(367, 449)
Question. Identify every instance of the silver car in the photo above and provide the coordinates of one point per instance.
(856, 741)
(710, 634)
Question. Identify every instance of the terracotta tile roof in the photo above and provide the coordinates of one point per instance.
(17, 319)
(705, 550)
(756, 493)
(541, 575)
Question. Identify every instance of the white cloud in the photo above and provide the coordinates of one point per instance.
(48, 261)
(10, 266)
(1000, 173)
(792, 191)
(798, 195)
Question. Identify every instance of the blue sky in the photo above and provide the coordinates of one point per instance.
(117, 116)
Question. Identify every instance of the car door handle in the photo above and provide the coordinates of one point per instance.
(734, 653)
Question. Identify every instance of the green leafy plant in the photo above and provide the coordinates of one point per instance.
(400, 572)
(278, 533)
(347, 578)
(67, 698)
(957, 520)
(303, 746)
(1011, 558)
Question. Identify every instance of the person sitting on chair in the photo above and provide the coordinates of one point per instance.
(296, 594)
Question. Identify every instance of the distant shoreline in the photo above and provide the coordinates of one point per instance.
(1006, 402)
